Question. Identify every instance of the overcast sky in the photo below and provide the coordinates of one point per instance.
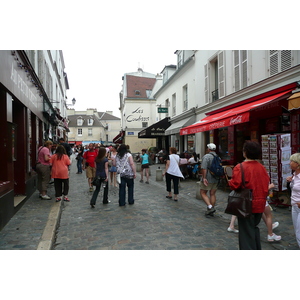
(95, 82)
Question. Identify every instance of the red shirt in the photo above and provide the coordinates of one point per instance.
(60, 166)
(257, 179)
(90, 157)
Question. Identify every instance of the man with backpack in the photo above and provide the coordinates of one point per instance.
(212, 171)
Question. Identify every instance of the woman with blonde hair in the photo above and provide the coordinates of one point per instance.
(173, 172)
(295, 196)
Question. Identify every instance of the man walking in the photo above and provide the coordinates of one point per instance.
(66, 145)
(89, 164)
(209, 182)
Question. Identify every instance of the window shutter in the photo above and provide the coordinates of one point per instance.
(286, 59)
(206, 83)
(236, 67)
(273, 62)
(244, 60)
(221, 70)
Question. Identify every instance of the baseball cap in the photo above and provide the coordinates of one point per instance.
(211, 146)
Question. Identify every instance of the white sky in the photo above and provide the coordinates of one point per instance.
(97, 81)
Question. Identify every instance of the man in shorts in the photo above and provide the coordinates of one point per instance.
(208, 182)
(89, 164)
(145, 165)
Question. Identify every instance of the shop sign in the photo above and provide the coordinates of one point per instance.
(163, 110)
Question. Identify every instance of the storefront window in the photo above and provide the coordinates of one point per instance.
(242, 134)
(191, 143)
(223, 143)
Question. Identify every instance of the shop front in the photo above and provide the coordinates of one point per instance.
(157, 131)
(231, 126)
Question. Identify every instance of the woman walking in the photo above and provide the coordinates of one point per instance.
(113, 169)
(295, 197)
(126, 168)
(102, 173)
(43, 169)
(256, 179)
(60, 162)
(173, 172)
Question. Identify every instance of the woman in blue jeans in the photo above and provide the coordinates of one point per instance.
(79, 159)
(102, 172)
(126, 168)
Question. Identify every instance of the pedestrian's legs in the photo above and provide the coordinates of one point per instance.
(66, 186)
(95, 195)
(175, 183)
(142, 174)
(168, 183)
(130, 185)
(122, 192)
(58, 187)
(147, 174)
(213, 197)
(249, 237)
(296, 222)
(105, 193)
(267, 217)
(204, 196)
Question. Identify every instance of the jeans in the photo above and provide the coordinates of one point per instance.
(296, 222)
(79, 164)
(122, 190)
(96, 192)
(249, 236)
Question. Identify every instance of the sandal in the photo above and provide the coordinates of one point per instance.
(274, 238)
(169, 197)
(58, 199)
(66, 199)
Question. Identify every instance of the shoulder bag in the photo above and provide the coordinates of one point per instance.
(240, 200)
(118, 176)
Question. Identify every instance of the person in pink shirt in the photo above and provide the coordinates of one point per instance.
(60, 162)
(43, 169)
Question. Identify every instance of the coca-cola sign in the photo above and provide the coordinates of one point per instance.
(236, 120)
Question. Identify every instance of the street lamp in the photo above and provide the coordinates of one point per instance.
(73, 103)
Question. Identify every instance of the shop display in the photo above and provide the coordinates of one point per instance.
(276, 152)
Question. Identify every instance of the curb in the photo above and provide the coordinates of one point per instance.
(48, 236)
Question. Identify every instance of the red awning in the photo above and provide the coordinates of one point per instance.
(119, 138)
(229, 117)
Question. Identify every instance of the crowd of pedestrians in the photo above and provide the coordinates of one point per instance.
(98, 162)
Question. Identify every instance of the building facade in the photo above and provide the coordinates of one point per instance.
(91, 126)
(33, 88)
(137, 108)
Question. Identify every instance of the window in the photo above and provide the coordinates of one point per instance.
(144, 124)
(79, 131)
(179, 58)
(79, 122)
(240, 69)
(167, 105)
(90, 122)
(174, 105)
(185, 97)
(280, 60)
(148, 93)
(137, 92)
(90, 131)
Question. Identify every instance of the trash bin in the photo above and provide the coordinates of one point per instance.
(138, 167)
(198, 195)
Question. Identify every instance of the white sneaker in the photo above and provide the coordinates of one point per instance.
(45, 197)
(274, 238)
(275, 225)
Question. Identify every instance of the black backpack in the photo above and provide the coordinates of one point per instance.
(216, 168)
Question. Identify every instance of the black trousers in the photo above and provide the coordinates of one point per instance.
(175, 183)
(249, 236)
(61, 187)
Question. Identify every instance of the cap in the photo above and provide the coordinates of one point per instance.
(211, 146)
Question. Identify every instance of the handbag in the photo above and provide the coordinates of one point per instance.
(96, 181)
(240, 200)
(118, 176)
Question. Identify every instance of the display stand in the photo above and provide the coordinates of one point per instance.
(276, 152)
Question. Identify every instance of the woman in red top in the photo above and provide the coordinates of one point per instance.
(60, 172)
(257, 179)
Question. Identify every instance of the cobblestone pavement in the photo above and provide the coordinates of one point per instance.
(155, 222)
(152, 223)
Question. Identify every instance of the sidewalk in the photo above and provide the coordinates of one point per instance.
(35, 225)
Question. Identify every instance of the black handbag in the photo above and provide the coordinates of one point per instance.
(96, 181)
(240, 200)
